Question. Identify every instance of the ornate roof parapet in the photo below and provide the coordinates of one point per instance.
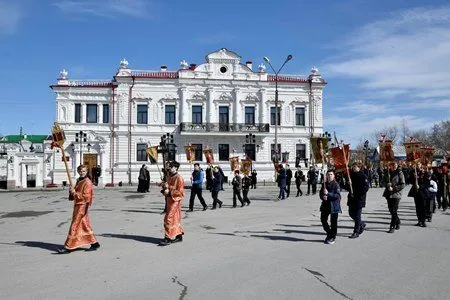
(124, 70)
(315, 76)
(184, 65)
(262, 68)
(63, 78)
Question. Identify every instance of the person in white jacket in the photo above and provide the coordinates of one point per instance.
(428, 193)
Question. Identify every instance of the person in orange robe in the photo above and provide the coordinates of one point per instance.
(80, 232)
(174, 193)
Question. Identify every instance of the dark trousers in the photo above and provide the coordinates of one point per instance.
(393, 208)
(215, 195)
(442, 201)
(420, 208)
(237, 193)
(281, 195)
(299, 190)
(429, 207)
(196, 191)
(331, 231)
(314, 188)
(355, 213)
(288, 188)
(245, 195)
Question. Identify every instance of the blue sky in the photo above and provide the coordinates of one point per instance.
(384, 60)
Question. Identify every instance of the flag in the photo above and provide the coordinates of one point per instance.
(234, 163)
(246, 166)
(426, 155)
(58, 136)
(341, 156)
(319, 147)
(386, 152)
(412, 150)
(152, 153)
(209, 156)
(190, 153)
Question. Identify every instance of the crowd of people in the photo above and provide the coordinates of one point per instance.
(429, 188)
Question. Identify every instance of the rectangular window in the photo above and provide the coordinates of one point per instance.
(272, 116)
(77, 113)
(223, 118)
(300, 154)
(142, 112)
(250, 151)
(198, 152)
(170, 114)
(197, 114)
(272, 152)
(105, 113)
(250, 115)
(141, 152)
(91, 113)
(224, 152)
(300, 116)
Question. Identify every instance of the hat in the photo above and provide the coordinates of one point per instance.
(174, 163)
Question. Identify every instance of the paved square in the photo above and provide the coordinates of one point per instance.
(268, 250)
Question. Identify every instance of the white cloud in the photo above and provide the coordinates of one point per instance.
(104, 8)
(10, 16)
(402, 66)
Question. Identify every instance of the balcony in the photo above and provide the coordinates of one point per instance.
(223, 127)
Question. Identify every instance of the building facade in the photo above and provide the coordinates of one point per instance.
(221, 104)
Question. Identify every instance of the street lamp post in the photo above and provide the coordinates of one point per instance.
(267, 60)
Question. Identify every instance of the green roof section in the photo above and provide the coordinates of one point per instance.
(25, 137)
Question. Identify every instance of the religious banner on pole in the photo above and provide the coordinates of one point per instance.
(426, 155)
(386, 152)
(209, 156)
(152, 153)
(340, 156)
(246, 166)
(319, 147)
(234, 163)
(276, 161)
(412, 150)
(190, 153)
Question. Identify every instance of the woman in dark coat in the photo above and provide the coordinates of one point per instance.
(254, 179)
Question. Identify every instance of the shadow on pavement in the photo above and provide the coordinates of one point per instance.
(139, 238)
(42, 245)
(299, 231)
(284, 238)
(143, 211)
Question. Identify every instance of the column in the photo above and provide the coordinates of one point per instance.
(210, 109)
(99, 113)
(182, 112)
(262, 111)
(236, 106)
(103, 164)
(83, 113)
(23, 176)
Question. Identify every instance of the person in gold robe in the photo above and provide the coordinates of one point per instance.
(80, 232)
(173, 190)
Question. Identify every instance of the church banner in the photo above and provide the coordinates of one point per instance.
(319, 147)
(386, 152)
(426, 155)
(412, 150)
(209, 156)
(234, 163)
(246, 166)
(190, 153)
(340, 156)
(152, 153)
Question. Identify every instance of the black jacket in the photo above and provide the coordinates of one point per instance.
(360, 186)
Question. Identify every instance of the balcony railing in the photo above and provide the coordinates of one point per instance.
(223, 127)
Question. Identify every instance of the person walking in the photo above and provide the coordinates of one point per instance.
(254, 179)
(246, 183)
(80, 232)
(237, 187)
(357, 198)
(173, 190)
(142, 180)
(330, 195)
(299, 177)
(196, 189)
(428, 191)
(216, 187)
(288, 180)
(281, 178)
(393, 194)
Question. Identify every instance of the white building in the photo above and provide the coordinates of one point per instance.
(214, 104)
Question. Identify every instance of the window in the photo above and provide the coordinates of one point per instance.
(223, 118)
(197, 114)
(250, 151)
(198, 152)
(300, 154)
(224, 152)
(249, 115)
(91, 113)
(170, 114)
(272, 152)
(141, 152)
(300, 116)
(77, 113)
(272, 116)
(142, 111)
(105, 113)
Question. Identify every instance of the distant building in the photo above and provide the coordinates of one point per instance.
(214, 104)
